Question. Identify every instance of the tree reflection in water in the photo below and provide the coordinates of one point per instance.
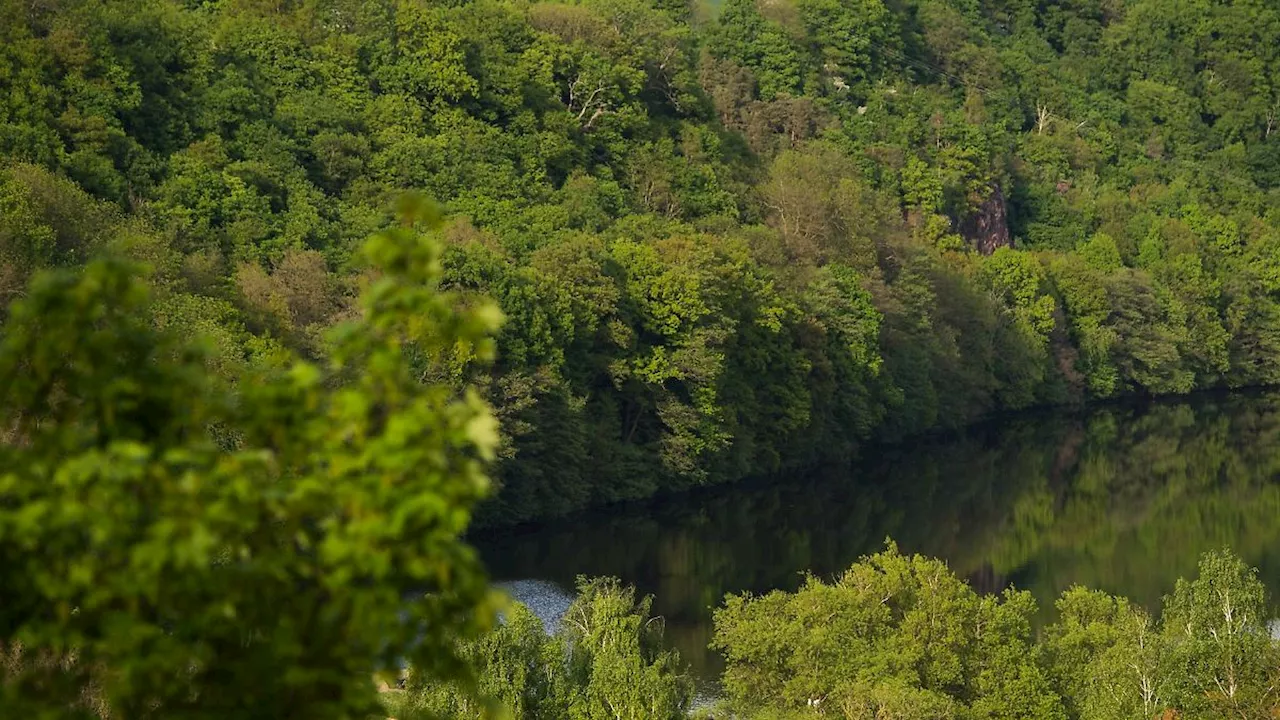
(1121, 498)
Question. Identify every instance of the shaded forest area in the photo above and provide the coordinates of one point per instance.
(728, 240)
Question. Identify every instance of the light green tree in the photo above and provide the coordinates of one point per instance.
(1210, 656)
(1107, 657)
(894, 636)
(1224, 660)
(605, 662)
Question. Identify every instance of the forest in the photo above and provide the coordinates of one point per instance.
(295, 293)
(729, 239)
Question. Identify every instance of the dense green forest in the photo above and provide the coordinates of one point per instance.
(253, 386)
(175, 546)
(729, 238)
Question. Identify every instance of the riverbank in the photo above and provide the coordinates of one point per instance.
(1122, 496)
(694, 493)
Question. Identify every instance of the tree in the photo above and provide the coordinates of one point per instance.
(172, 550)
(894, 636)
(46, 221)
(1107, 657)
(1224, 661)
(520, 670)
(1210, 656)
(744, 36)
(616, 658)
(606, 661)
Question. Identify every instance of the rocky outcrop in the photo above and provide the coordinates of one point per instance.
(987, 228)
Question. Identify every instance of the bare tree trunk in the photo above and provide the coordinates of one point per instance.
(1043, 116)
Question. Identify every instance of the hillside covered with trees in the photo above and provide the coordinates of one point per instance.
(728, 238)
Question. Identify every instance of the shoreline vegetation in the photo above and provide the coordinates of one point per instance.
(894, 636)
(1121, 498)
(890, 447)
(254, 388)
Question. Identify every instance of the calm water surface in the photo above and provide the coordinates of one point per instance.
(1122, 498)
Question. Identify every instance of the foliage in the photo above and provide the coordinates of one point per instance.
(902, 637)
(1211, 655)
(606, 661)
(175, 547)
(734, 238)
(894, 636)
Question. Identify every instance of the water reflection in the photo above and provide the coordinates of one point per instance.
(1121, 498)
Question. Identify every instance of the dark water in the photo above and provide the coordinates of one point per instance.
(1122, 498)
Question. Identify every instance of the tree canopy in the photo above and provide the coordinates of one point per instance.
(733, 238)
(900, 636)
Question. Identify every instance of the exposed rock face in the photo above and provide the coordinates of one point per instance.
(988, 227)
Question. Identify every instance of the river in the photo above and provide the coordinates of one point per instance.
(1120, 497)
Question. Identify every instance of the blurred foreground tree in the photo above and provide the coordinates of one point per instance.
(171, 549)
